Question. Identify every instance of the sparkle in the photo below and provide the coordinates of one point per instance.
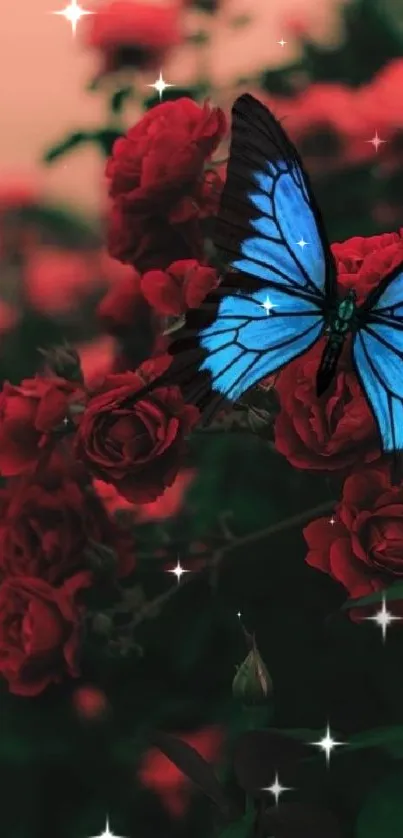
(276, 789)
(107, 833)
(178, 571)
(282, 42)
(327, 744)
(383, 618)
(239, 615)
(302, 243)
(73, 13)
(160, 85)
(332, 520)
(376, 141)
(267, 305)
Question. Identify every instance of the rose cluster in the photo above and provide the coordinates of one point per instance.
(71, 448)
(64, 439)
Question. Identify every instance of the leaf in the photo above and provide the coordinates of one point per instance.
(382, 813)
(198, 38)
(301, 820)
(74, 140)
(259, 754)
(195, 767)
(240, 829)
(390, 739)
(393, 593)
(105, 138)
(175, 324)
(239, 21)
(119, 99)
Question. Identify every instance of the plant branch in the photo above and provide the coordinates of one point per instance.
(150, 609)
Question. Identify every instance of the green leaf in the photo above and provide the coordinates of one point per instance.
(78, 138)
(382, 812)
(198, 38)
(119, 99)
(105, 139)
(239, 21)
(240, 829)
(393, 593)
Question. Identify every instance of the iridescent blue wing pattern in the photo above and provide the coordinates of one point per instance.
(280, 277)
(378, 357)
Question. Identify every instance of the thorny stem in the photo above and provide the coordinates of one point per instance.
(151, 608)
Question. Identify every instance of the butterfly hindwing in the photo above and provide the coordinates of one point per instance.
(270, 236)
(378, 357)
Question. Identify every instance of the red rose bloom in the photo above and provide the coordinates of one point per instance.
(338, 429)
(332, 432)
(363, 550)
(29, 415)
(133, 34)
(120, 306)
(39, 632)
(46, 525)
(183, 285)
(135, 445)
(363, 262)
(158, 186)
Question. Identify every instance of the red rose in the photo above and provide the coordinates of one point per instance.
(55, 281)
(133, 34)
(46, 525)
(363, 550)
(39, 632)
(135, 445)
(338, 429)
(29, 415)
(183, 285)
(332, 432)
(158, 185)
(120, 306)
(363, 262)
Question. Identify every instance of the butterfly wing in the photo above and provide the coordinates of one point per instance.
(378, 357)
(270, 236)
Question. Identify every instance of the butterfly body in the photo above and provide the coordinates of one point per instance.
(341, 321)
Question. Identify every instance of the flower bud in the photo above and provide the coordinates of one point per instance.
(252, 683)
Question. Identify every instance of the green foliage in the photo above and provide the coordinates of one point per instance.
(382, 812)
(103, 139)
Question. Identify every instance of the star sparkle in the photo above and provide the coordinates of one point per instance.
(302, 243)
(73, 13)
(107, 833)
(268, 305)
(332, 520)
(383, 618)
(376, 141)
(282, 42)
(276, 789)
(160, 85)
(178, 571)
(327, 744)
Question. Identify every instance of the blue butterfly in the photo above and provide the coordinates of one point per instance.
(280, 292)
